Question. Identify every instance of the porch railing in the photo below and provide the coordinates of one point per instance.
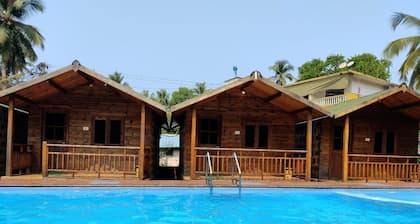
(330, 100)
(253, 162)
(384, 167)
(122, 160)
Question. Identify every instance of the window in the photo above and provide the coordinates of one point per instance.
(384, 142)
(300, 137)
(208, 131)
(338, 138)
(390, 142)
(251, 137)
(263, 136)
(334, 92)
(378, 142)
(55, 126)
(107, 131)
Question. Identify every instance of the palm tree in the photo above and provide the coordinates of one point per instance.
(200, 88)
(17, 39)
(412, 43)
(162, 96)
(118, 77)
(281, 69)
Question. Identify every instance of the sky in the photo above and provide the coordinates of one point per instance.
(167, 44)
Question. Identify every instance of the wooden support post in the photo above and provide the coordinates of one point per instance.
(142, 139)
(308, 146)
(346, 133)
(193, 140)
(9, 144)
(44, 159)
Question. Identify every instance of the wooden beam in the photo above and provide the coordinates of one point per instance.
(56, 85)
(19, 97)
(308, 146)
(346, 133)
(193, 141)
(406, 106)
(272, 97)
(142, 141)
(9, 144)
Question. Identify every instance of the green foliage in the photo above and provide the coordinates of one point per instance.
(200, 88)
(371, 65)
(332, 62)
(412, 43)
(118, 77)
(17, 40)
(365, 63)
(281, 72)
(182, 94)
(311, 69)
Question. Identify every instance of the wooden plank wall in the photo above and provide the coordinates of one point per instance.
(364, 124)
(82, 106)
(234, 111)
(3, 135)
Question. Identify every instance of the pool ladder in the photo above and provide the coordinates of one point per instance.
(235, 164)
(209, 171)
(235, 167)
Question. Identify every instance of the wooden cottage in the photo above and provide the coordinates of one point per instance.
(82, 122)
(252, 118)
(374, 137)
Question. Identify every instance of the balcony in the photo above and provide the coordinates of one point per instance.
(331, 100)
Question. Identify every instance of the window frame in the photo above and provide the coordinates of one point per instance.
(108, 130)
(217, 132)
(384, 141)
(45, 126)
(257, 126)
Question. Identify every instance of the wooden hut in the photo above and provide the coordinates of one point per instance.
(374, 137)
(82, 122)
(253, 118)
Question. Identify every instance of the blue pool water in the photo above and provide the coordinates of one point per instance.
(198, 205)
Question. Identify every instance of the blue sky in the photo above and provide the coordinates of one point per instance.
(167, 44)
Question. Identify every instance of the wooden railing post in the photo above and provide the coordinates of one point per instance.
(140, 172)
(308, 146)
(345, 159)
(44, 159)
(193, 140)
(9, 141)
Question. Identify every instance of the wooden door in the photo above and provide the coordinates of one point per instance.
(336, 166)
(316, 147)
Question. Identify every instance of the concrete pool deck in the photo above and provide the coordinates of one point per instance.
(35, 180)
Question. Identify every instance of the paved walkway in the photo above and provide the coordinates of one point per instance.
(38, 181)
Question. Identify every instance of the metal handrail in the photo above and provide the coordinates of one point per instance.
(209, 170)
(235, 161)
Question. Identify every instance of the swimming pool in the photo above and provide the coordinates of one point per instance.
(199, 205)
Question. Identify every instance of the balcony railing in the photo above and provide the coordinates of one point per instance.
(331, 100)
(258, 163)
(384, 167)
(93, 159)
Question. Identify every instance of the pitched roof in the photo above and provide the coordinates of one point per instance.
(65, 79)
(261, 87)
(402, 99)
(339, 80)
